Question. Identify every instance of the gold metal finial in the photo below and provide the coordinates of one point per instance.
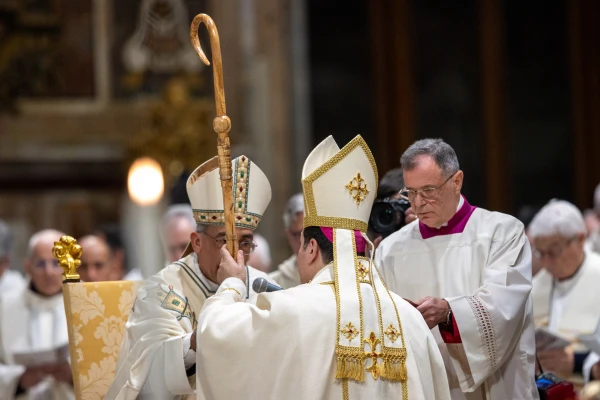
(358, 188)
(68, 254)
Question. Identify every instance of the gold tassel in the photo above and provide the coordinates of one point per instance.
(349, 364)
(394, 366)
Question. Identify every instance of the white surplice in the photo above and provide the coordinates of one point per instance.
(569, 307)
(11, 281)
(284, 346)
(155, 357)
(29, 324)
(481, 264)
(287, 275)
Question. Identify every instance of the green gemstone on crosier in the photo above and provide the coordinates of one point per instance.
(176, 302)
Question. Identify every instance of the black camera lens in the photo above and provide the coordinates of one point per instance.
(387, 216)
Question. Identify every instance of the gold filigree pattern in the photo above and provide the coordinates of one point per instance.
(350, 331)
(358, 189)
(392, 333)
(374, 355)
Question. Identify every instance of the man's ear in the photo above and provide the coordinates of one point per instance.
(313, 251)
(458, 180)
(196, 241)
(27, 266)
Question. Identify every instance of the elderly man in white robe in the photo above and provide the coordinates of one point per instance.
(565, 294)
(176, 226)
(9, 280)
(33, 330)
(339, 335)
(158, 354)
(287, 275)
(469, 272)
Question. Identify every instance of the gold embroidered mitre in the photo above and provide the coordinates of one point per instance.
(340, 186)
(251, 194)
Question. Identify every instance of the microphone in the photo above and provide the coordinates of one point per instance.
(261, 285)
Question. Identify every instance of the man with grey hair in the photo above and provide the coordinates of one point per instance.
(287, 275)
(468, 270)
(175, 229)
(565, 295)
(9, 279)
(34, 341)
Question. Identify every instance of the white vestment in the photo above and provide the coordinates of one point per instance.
(481, 264)
(11, 280)
(30, 324)
(287, 275)
(569, 307)
(284, 347)
(155, 357)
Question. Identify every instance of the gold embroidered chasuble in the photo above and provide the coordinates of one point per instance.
(284, 347)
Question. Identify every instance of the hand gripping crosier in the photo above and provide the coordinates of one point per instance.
(221, 123)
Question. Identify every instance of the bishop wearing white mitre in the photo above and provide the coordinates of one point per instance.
(469, 271)
(339, 335)
(157, 358)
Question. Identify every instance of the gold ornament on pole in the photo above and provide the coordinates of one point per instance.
(221, 123)
(68, 254)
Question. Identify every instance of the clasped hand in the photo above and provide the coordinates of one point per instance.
(434, 310)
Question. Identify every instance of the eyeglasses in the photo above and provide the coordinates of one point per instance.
(247, 246)
(41, 264)
(428, 193)
(554, 252)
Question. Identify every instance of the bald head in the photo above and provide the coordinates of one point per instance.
(40, 264)
(96, 259)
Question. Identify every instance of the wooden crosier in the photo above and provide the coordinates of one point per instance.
(221, 123)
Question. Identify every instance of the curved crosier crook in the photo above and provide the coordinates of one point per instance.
(215, 47)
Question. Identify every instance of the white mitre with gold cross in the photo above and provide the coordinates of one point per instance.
(251, 194)
(339, 190)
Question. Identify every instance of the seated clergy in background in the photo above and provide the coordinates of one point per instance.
(9, 280)
(121, 271)
(565, 294)
(287, 275)
(469, 271)
(341, 335)
(175, 229)
(97, 260)
(157, 358)
(33, 329)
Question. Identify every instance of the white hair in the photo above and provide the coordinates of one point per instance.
(6, 239)
(597, 199)
(46, 234)
(558, 217)
(176, 211)
(294, 206)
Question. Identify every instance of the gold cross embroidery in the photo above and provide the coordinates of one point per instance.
(350, 331)
(392, 333)
(374, 368)
(358, 188)
(361, 271)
